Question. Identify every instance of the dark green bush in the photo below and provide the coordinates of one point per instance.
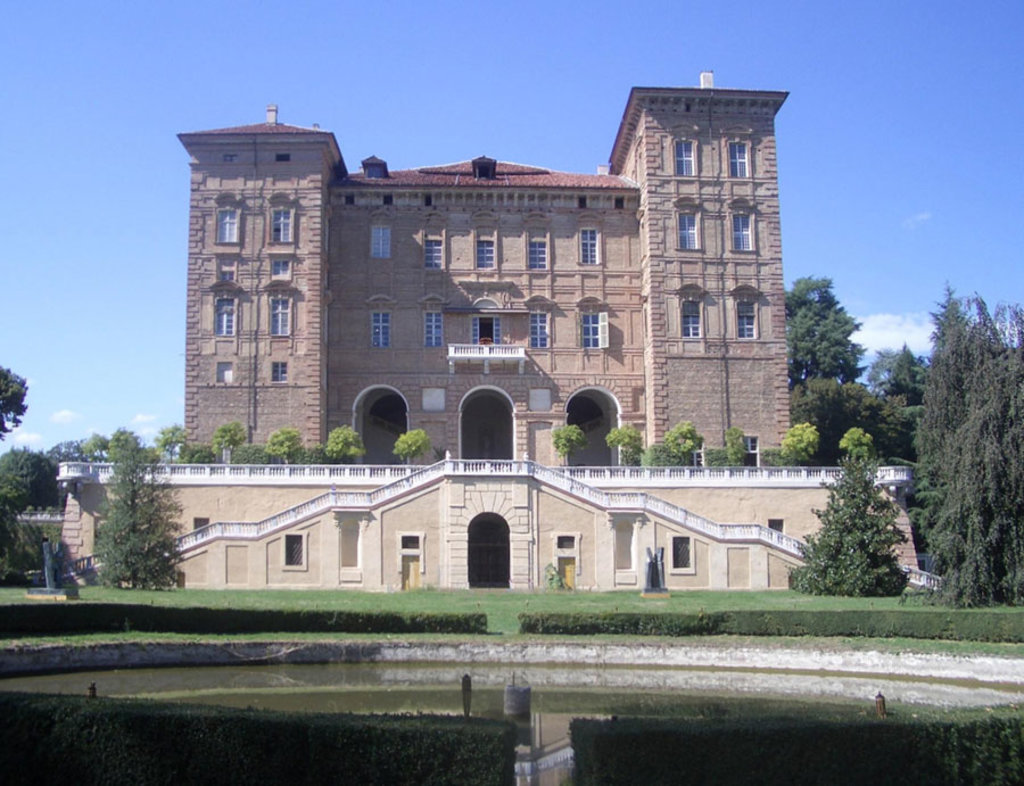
(794, 751)
(70, 739)
(110, 617)
(914, 624)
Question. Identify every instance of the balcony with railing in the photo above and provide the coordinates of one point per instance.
(486, 354)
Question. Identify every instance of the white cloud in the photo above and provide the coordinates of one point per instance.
(892, 331)
(143, 419)
(26, 438)
(64, 416)
(148, 431)
(916, 220)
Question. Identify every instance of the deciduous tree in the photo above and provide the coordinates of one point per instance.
(853, 552)
(412, 445)
(567, 440)
(36, 472)
(12, 400)
(630, 443)
(800, 443)
(170, 441)
(285, 444)
(227, 437)
(344, 445)
(135, 542)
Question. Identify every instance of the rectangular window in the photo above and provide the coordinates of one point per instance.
(281, 226)
(684, 158)
(565, 542)
(594, 330)
(226, 270)
(537, 258)
(280, 268)
(225, 373)
(350, 544)
(776, 524)
(691, 319)
(745, 320)
(687, 230)
(282, 156)
(380, 242)
(623, 545)
(280, 316)
(198, 522)
(486, 330)
(433, 329)
(539, 330)
(588, 246)
(680, 553)
(410, 541)
(380, 329)
(224, 316)
(432, 254)
(484, 254)
(227, 226)
(278, 371)
(741, 240)
(738, 159)
(293, 550)
(750, 445)
(230, 158)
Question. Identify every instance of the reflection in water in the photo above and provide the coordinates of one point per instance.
(559, 693)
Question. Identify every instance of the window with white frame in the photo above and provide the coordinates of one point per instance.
(537, 254)
(539, 330)
(691, 319)
(226, 270)
(746, 319)
(484, 254)
(432, 251)
(225, 372)
(738, 159)
(280, 316)
(684, 158)
(750, 458)
(280, 268)
(281, 225)
(741, 235)
(279, 371)
(380, 329)
(433, 329)
(380, 242)
(588, 246)
(687, 230)
(227, 225)
(224, 316)
(594, 330)
(682, 553)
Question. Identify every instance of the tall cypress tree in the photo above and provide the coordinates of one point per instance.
(136, 544)
(971, 443)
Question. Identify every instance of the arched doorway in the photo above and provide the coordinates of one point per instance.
(485, 426)
(381, 417)
(596, 413)
(488, 551)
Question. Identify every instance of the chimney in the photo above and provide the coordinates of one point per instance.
(707, 80)
(602, 169)
(272, 114)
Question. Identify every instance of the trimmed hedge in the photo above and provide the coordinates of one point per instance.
(919, 624)
(110, 617)
(71, 739)
(794, 751)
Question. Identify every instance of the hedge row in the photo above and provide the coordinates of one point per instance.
(70, 739)
(109, 617)
(916, 624)
(770, 751)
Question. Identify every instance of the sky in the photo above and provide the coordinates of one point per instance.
(899, 151)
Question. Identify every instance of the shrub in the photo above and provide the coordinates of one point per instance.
(800, 443)
(285, 444)
(629, 441)
(412, 445)
(735, 449)
(567, 440)
(249, 454)
(344, 445)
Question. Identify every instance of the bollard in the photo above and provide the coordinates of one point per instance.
(91, 690)
(880, 705)
(467, 693)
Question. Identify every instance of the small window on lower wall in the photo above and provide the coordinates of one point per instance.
(199, 523)
(682, 553)
(410, 541)
(565, 542)
(776, 524)
(294, 551)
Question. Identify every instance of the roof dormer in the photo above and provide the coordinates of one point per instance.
(375, 168)
(484, 168)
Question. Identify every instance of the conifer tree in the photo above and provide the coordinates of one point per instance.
(853, 552)
(136, 543)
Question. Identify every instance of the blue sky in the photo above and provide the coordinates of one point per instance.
(899, 147)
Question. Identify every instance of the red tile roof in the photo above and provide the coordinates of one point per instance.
(507, 175)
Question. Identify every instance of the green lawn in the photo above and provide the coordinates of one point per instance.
(501, 607)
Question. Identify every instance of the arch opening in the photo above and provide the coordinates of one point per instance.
(485, 428)
(489, 552)
(596, 413)
(382, 416)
